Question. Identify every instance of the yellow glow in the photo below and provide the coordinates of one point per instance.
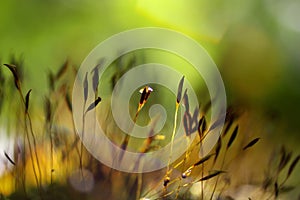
(8, 187)
(195, 18)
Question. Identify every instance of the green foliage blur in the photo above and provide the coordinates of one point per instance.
(254, 43)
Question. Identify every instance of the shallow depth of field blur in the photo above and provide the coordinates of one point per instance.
(255, 44)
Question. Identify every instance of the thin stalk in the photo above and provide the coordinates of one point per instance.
(51, 154)
(125, 142)
(216, 183)
(76, 137)
(202, 174)
(85, 93)
(146, 91)
(168, 172)
(31, 154)
(76, 140)
(173, 135)
(159, 182)
(35, 149)
(187, 154)
(27, 116)
(49, 127)
(24, 163)
(81, 144)
(139, 185)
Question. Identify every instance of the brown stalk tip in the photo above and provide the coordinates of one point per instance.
(212, 175)
(194, 126)
(267, 182)
(51, 81)
(250, 144)
(13, 70)
(95, 79)
(166, 181)
(217, 123)
(286, 157)
(292, 166)
(186, 101)
(233, 136)
(142, 99)
(149, 90)
(195, 116)
(145, 91)
(95, 72)
(27, 100)
(201, 126)
(228, 126)
(187, 123)
(47, 109)
(9, 159)
(276, 189)
(179, 92)
(203, 160)
(218, 149)
(93, 105)
(204, 126)
(62, 70)
(97, 101)
(68, 101)
(85, 88)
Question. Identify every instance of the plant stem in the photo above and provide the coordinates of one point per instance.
(216, 183)
(27, 116)
(168, 172)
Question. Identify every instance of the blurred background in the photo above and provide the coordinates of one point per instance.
(255, 44)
